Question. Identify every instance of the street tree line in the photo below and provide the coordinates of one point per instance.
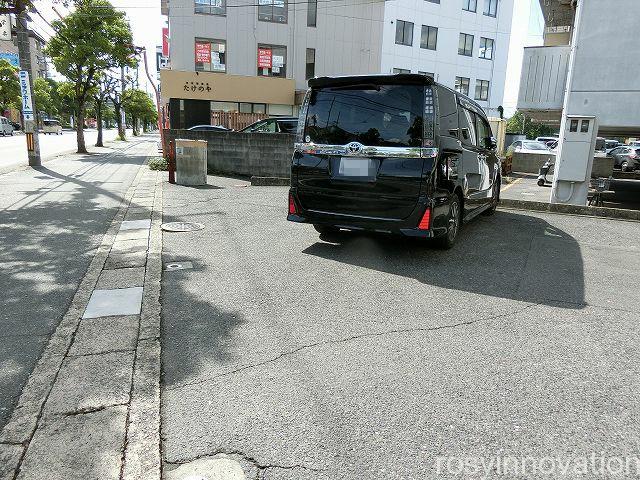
(90, 48)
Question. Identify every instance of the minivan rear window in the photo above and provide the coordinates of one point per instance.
(374, 115)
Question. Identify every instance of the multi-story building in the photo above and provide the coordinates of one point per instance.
(255, 57)
(583, 79)
(9, 50)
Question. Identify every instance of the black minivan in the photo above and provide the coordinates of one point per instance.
(392, 153)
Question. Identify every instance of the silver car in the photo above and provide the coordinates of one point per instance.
(5, 127)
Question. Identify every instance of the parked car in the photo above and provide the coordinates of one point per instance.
(527, 146)
(52, 127)
(15, 125)
(610, 145)
(550, 142)
(371, 156)
(626, 157)
(6, 128)
(214, 128)
(273, 125)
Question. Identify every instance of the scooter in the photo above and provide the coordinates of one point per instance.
(543, 172)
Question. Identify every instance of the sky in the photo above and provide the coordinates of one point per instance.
(147, 22)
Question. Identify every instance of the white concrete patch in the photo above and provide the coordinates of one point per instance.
(217, 468)
(134, 224)
(120, 301)
(178, 266)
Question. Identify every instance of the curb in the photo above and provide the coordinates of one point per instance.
(583, 210)
(270, 181)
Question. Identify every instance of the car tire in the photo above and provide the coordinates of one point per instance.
(624, 166)
(455, 221)
(325, 229)
(495, 198)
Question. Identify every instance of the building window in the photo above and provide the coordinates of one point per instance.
(404, 33)
(470, 5)
(211, 7)
(272, 11)
(401, 70)
(210, 55)
(491, 8)
(462, 85)
(486, 48)
(482, 90)
(272, 61)
(427, 74)
(312, 13)
(311, 63)
(465, 45)
(429, 37)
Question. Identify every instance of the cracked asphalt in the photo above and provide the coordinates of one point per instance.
(355, 356)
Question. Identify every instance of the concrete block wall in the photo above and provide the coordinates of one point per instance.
(260, 154)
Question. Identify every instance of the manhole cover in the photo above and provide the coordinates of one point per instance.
(178, 266)
(181, 226)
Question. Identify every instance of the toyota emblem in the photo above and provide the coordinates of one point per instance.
(354, 148)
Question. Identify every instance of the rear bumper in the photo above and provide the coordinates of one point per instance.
(407, 226)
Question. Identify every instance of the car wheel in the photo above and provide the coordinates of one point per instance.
(325, 229)
(455, 220)
(624, 166)
(495, 198)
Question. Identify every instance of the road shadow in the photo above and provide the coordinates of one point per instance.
(200, 334)
(508, 255)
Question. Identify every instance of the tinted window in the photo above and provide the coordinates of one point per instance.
(375, 115)
(467, 126)
(448, 112)
(484, 131)
(535, 146)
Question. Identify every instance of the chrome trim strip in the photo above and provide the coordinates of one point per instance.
(367, 152)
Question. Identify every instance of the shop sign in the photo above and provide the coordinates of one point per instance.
(196, 87)
(5, 27)
(203, 52)
(264, 58)
(165, 42)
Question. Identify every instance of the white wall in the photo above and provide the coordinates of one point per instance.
(606, 80)
(445, 62)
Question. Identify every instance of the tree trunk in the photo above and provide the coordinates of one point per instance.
(82, 147)
(99, 121)
(121, 128)
(134, 120)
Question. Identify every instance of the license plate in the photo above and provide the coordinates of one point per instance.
(355, 167)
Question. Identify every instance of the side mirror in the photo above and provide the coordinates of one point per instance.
(518, 148)
(491, 143)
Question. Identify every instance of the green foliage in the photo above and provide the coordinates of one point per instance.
(42, 93)
(92, 39)
(531, 129)
(139, 107)
(9, 86)
(158, 163)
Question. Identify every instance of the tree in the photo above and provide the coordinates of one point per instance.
(9, 86)
(520, 123)
(93, 38)
(42, 93)
(139, 106)
(63, 99)
(100, 94)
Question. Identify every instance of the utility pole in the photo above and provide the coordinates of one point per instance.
(122, 117)
(26, 82)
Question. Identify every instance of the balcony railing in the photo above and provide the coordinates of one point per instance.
(544, 77)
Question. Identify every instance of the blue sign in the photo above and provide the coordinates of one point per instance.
(12, 58)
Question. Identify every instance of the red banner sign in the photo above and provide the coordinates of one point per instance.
(264, 58)
(203, 52)
(165, 42)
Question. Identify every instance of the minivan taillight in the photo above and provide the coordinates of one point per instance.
(426, 220)
(292, 205)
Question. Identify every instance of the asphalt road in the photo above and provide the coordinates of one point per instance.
(14, 149)
(51, 221)
(361, 357)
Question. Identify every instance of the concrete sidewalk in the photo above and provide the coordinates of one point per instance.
(90, 408)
